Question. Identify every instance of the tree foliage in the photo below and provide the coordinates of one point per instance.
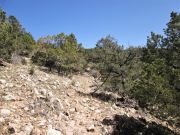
(158, 87)
(60, 52)
(114, 63)
(13, 38)
(150, 74)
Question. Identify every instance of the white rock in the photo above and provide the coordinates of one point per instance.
(42, 123)
(77, 84)
(91, 128)
(10, 85)
(9, 98)
(72, 110)
(32, 112)
(49, 95)
(88, 69)
(69, 131)
(5, 112)
(54, 87)
(28, 129)
(98, 111)
(26, 108)
(132, 110)
(3, 86)
(36, 91)
(43, 92)
(2, 81)
(2, 121)
(92, 108)
(51, 131)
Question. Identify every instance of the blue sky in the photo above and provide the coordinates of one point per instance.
(129, 21)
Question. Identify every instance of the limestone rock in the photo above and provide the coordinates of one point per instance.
(9, 85)
(2, 81)
(52, 131)
(9, 98)
(2, 121)
(5, 113)
(91, 128)
(27, 130)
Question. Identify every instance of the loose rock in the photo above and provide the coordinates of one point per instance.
(51, 131)
(91, 128)
(2, 81)
(5, 112)
(9, 98)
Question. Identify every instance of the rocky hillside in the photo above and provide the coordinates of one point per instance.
(48, 104)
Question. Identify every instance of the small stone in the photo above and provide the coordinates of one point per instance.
(84, 100)
(54, 87)
(92, 108)
(72, 110)
(2, 121)
(5, 112)
(3, 86)
(42, 123)
(9, 98)
(28, 129)
(133, 111)
(51, 131)
(26, 108)
(98, 111)
(49, 95)
(10, 85)
(2, 81)
(87, 69)
(32, 112)
(69, 131)
(91, 128)
(77, 84)
(43, 92)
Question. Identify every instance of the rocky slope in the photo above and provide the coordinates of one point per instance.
(48, 104)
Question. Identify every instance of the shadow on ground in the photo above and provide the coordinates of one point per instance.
(122, 101)
(124, 125)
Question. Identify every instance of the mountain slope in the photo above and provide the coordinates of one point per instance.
(45, 103)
